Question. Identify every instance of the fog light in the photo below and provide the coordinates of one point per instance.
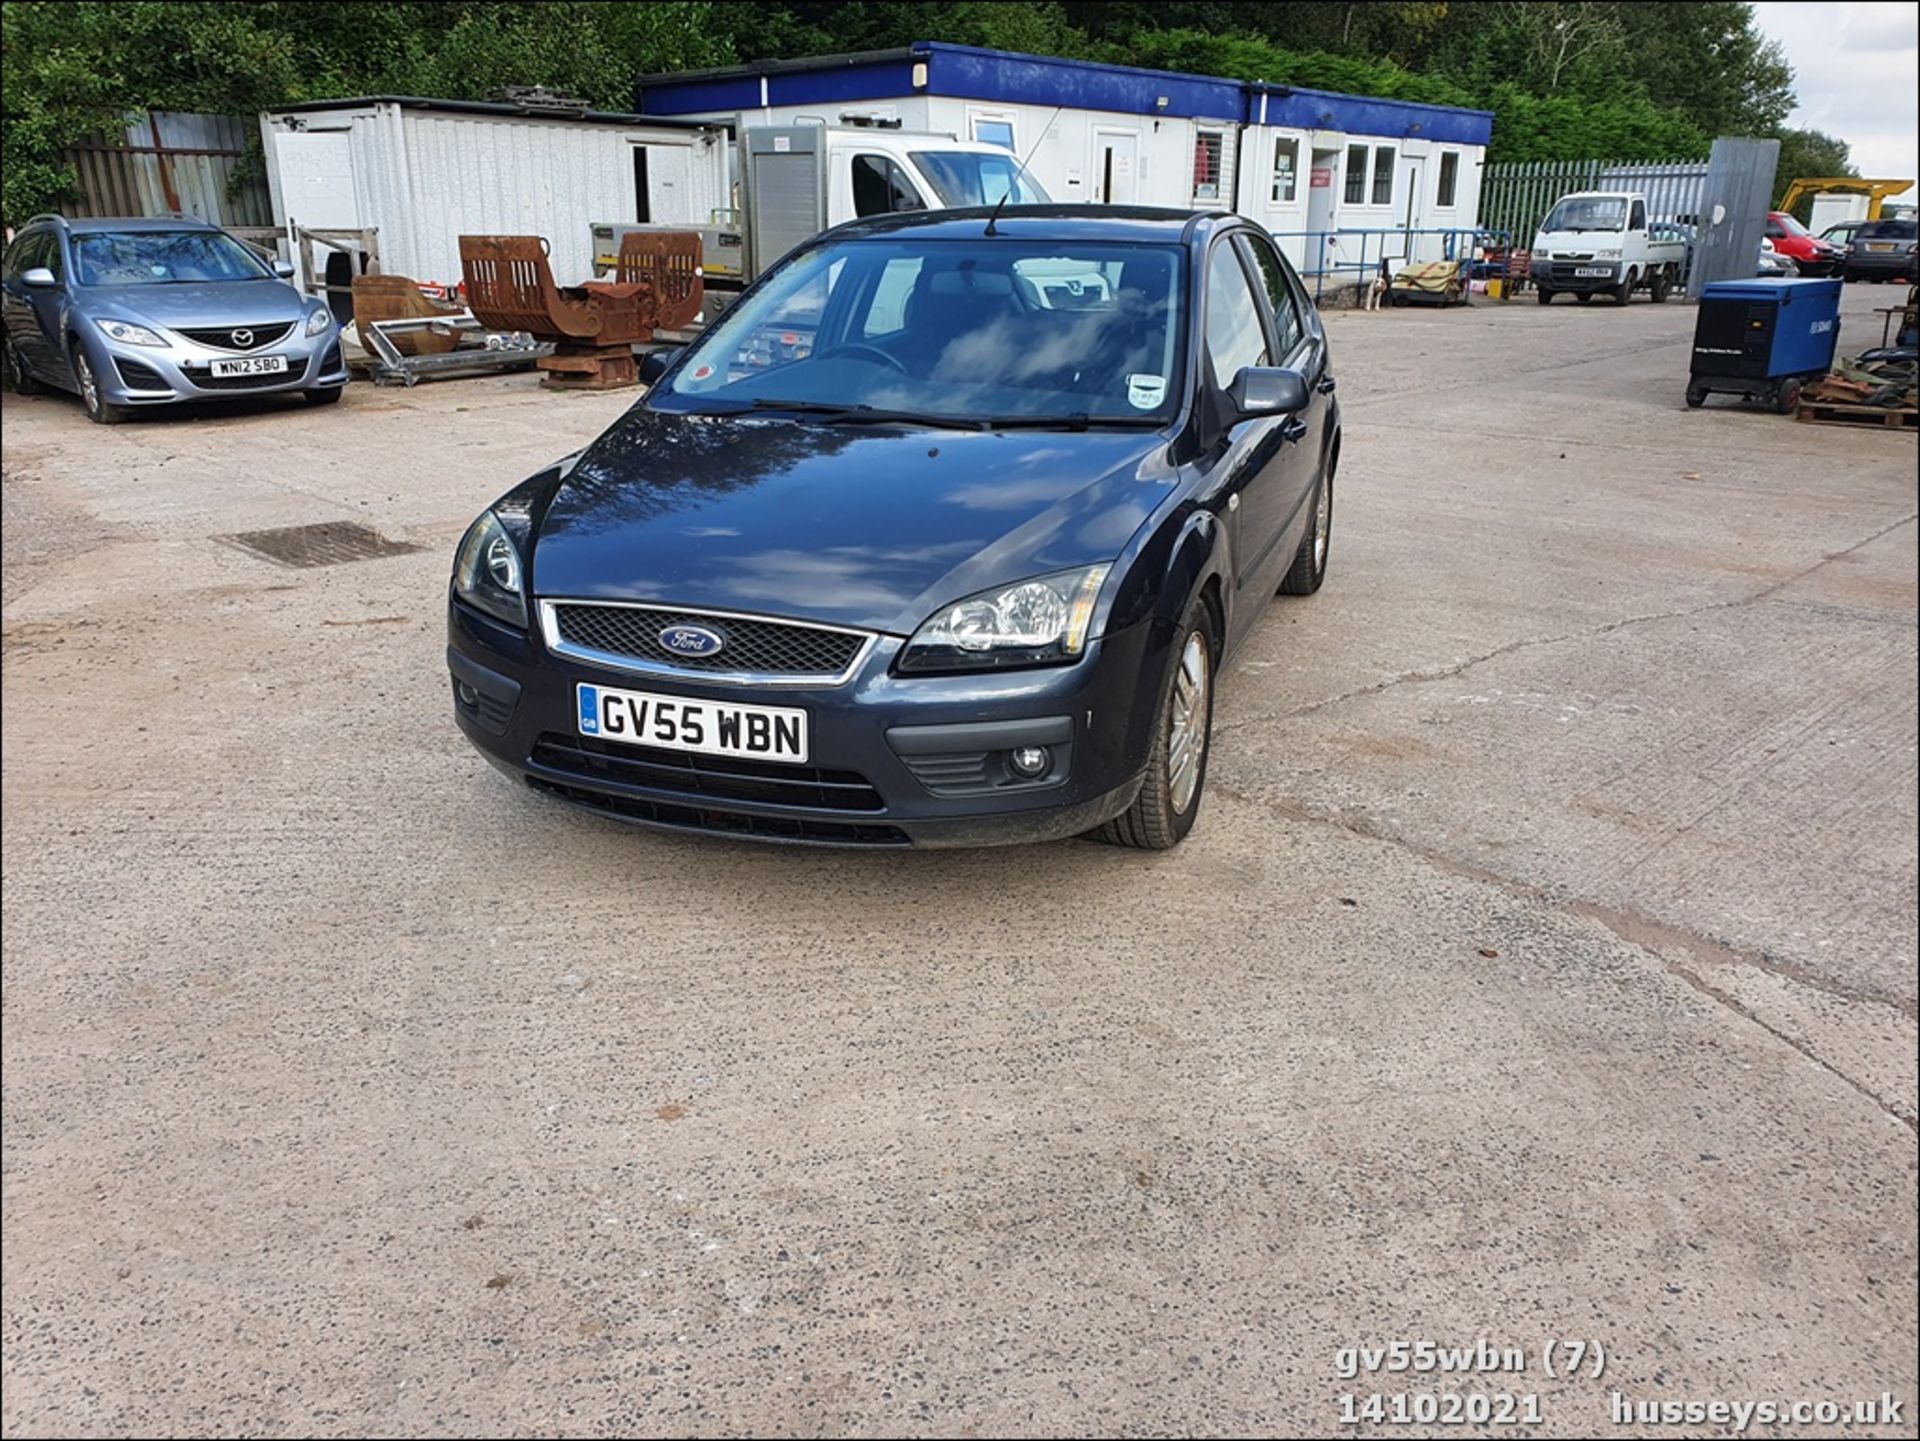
(1030, 761)
(468, 695)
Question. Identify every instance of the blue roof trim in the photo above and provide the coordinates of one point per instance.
(1372, 115)
(971, 72)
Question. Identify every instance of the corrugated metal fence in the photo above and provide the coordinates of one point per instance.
(1516, 197)
(172, 160)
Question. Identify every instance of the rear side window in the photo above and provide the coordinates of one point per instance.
(1235, 338)
(1287, 327)
(881, 187)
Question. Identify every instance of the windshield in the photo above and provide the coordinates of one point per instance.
(962, 178)
(162, 257)
(973, 330)
(1790, 225)
(1588, 212)
(1886, 230)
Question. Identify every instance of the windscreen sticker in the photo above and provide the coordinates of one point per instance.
(1145, 392)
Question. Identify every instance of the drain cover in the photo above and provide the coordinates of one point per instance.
(333, 542)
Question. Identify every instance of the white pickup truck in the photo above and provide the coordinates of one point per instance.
(1597, 242)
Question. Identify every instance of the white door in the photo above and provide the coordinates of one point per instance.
(316, 179)
(670, 185)
(1413, 208)
(1116, 167)
(316, 184)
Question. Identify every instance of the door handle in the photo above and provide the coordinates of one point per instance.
(1293, 428)
(1325, 385)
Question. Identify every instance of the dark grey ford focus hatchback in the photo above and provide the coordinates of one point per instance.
(939, 536)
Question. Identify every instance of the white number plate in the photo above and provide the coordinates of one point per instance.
(676, 723)
(1593, 270)
(251, 365)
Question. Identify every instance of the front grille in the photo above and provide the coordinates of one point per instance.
(205, 380)
(778, 828)
(764, 647)
(226, 337)
(698, 777)
(138, 376)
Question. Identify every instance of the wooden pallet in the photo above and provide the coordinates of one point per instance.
(1827, 412)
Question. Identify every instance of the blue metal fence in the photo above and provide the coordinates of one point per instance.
(1355, 256)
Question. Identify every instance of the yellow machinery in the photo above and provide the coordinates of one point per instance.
(1875, 190)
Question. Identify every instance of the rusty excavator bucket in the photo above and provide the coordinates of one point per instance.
(510, 286)
(395, 297)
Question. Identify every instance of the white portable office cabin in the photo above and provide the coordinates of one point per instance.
(1295, 160)
(422, 173)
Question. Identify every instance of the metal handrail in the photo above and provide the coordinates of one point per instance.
(1457, 243)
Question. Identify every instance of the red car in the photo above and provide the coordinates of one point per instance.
(1800, 245)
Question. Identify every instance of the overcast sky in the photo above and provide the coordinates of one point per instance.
(1856, 69)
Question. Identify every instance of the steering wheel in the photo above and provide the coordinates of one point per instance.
(856, 348)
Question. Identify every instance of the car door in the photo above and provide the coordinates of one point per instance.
(50, 312)
(1246, 456)
(1295, 340)
(22, 318)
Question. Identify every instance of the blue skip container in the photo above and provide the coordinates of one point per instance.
(1759, 339)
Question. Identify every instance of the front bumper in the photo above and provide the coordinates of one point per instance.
(132, 375)
(1886, 266)
(894, 761)
(1564, 275)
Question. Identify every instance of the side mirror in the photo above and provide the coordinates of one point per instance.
(283, 269)
(654, 363)
(39, 275)
(1267, 390)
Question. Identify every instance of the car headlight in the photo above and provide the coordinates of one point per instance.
(487, 573)
(127, 333)
(1043, 621)
(319, 321)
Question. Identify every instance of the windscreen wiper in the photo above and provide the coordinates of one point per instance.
(1078, 420)
(858, 413)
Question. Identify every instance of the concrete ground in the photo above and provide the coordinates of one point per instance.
(1542, 968)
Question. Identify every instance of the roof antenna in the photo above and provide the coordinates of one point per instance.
(1001, 204)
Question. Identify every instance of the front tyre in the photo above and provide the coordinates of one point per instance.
(328, 396)
(100, 410)
(1309, 568)
(1169, 799)
(1544, 295)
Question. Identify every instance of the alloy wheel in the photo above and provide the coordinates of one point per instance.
(89, 387)
(1322, 524)
(1187, 735)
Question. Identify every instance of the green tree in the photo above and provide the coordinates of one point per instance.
(1808, 153)
(1710, 61)
(72, 70)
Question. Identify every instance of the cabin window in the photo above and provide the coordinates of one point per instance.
(1449, 178)
(1207, 148)
(1356, 175)
(1383, 175)
(1286, 167)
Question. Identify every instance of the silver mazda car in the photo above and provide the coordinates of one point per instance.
(133, 313)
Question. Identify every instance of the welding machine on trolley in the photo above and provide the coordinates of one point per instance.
(1761, 338)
